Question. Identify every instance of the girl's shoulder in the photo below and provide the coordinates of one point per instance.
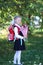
(17, 26)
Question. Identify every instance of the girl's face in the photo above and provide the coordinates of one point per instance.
(18, 21)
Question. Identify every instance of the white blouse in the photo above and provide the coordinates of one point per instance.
(16, 33)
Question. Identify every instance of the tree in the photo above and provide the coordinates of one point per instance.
(9, 8)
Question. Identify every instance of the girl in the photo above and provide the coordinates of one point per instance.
(19, 44)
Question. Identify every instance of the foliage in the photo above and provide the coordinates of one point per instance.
(9, 8)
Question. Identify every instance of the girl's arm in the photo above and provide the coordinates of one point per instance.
(16, 33)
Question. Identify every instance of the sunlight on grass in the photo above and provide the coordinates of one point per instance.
(3, 33)
(38, 35)
(30, 44)
(38, 30)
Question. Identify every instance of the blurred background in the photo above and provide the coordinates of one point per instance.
(32, 14)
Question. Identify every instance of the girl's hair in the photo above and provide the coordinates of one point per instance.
(13, 21)
(17, 17)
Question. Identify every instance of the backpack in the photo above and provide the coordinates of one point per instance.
(11, 35)
(24, 30)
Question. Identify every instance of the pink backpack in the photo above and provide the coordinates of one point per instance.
(24, 30)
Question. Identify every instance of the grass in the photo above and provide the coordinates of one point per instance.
(31, 56)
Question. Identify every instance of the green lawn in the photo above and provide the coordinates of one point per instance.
(31, 56)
